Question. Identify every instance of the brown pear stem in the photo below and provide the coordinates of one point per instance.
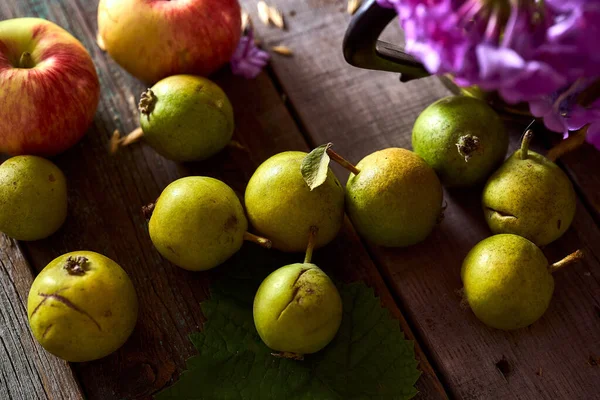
(100, 42)
(312, 241)
(343, 162)
(571, 143)
(133, 137)
(26, 61)
(525, 144)
(261, 241)
(234, 144)
(568, 260)
(148, 210)
(116, 141)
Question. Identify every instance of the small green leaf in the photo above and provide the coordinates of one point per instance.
(368, 359)
(315, 166)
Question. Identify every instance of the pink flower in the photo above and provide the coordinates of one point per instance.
(248, 60)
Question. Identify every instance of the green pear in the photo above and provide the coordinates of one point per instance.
(297, 309)
(508, 281)
(186, 118)
(394, 198)
(282, 207)
(82, 306)
(198, 223)
(462, 138)
(529, 196)
(33, 198)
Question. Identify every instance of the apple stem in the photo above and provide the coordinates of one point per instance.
(261, 241)
(467, 145)
(74, 266)
(312, 241)
(568, 260)
(26, 61)
(343, 162)
(525, 144)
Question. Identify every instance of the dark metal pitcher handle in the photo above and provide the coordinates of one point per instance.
(363, 49)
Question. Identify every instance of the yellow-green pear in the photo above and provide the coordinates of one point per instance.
(462, 138)
(297, 309)
(198, 223)
(529, 196)
(508, 281)
(283, 208)
(82, 306)
(33, 198)
(394, 198)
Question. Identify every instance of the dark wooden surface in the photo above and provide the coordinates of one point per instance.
(307, 99)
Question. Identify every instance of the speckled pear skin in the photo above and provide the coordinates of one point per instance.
(198, 223)
(33, 198)
(507, 282)
(438, 129)
(532, 198)
(82, 316)
(190, 119)
(282, 208)
(297, 309)
(395, 200)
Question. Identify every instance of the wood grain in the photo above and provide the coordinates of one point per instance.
(27, 371)
(363, 111)
(105, 196)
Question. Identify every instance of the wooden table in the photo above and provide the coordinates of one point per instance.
(301, 101)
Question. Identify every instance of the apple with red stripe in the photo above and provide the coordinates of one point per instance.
(49, 88)
(153, 39)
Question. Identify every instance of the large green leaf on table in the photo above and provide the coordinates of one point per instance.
(368, 359)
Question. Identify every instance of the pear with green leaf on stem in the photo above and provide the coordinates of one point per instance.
(508, 281)
(529, 196)
(393, 198)
(283, 207)
(297, 308)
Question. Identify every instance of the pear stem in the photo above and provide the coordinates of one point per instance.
(525, 144)
(116, 141)
(261, 241)
(312, 241)
(567, 145)
(568, 260)
(26, 61)
(343, 162)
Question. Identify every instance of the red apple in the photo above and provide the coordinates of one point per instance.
(49, 89)
(153, 39)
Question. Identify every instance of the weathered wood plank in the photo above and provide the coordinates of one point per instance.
(583, 165)
(363, 111)
(106, 194)
(27, 371)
